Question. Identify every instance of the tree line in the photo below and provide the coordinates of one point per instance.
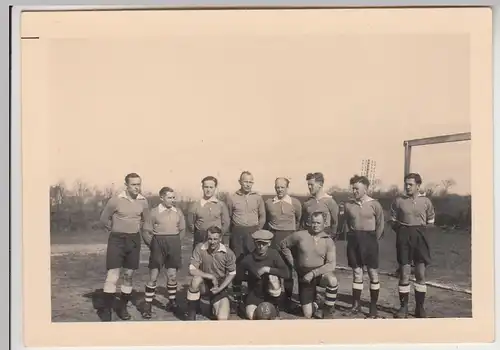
(78, 207)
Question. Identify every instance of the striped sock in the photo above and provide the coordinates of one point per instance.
(193, 296)
(149, 293)
(404, 291)
(420, 291)
(193, 299)
(331, 296)
(172, 291)
(374, 292)
(127, 290)
(357, 289)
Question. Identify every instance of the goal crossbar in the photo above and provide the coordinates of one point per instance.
(408, 144)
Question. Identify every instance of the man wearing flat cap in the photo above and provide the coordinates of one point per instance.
(264, 268)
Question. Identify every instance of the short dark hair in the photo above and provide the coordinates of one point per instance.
(214, 229)
(246, 172)
(317, 176)
(283, 178)
(210, 178)
(414, 176)
(131, 176)
(359, 179)
(318, 213)
(164, 190)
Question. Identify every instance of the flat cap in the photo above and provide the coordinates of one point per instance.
(262, 235)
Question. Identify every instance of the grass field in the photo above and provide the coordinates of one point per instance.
(78, 272)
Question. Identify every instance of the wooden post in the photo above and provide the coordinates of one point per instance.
(407, 158)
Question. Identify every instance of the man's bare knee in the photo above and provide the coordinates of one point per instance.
(358, 274)
(128, 276)
(172, 276)
(196, 283)
(330, 279)
(373, 274)
(222, 309)
(404, 274)
(307, 310)
(420, 273)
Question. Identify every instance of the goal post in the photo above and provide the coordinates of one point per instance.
(409, 144)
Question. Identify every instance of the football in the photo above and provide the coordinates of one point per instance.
(265, 311)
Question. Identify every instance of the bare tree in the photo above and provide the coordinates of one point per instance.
(82, 192)
(446, 185)
(431, 189)
(57, 195)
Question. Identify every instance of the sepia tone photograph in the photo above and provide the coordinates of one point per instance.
(204, 174)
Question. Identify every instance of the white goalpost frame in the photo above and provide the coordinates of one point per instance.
(409, 144)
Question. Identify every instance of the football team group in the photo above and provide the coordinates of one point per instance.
(267, 245)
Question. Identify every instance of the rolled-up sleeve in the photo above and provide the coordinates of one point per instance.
(230, 263)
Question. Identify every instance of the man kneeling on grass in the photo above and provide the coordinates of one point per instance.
(315, 266)
(213, 267)
(264, 267)
(162, 233)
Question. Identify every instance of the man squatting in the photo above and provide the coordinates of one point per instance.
(314, 262)
(264, 267)
(213, 267)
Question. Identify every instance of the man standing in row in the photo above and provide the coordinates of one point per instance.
(207, 212)
(123, 217)
(315, 263)
(410, 216)
(283, 215)
(164, 231)
(320, 202)
(365, 221)
(248, 214)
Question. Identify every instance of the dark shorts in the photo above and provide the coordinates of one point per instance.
(240, 241)
(213, 298)
(412, 245)
(362, 249)
(124, 250)
(166, 251)
(307, 291)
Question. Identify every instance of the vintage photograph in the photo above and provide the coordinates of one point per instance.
(260, 177)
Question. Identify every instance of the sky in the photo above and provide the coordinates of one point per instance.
(175, 108)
